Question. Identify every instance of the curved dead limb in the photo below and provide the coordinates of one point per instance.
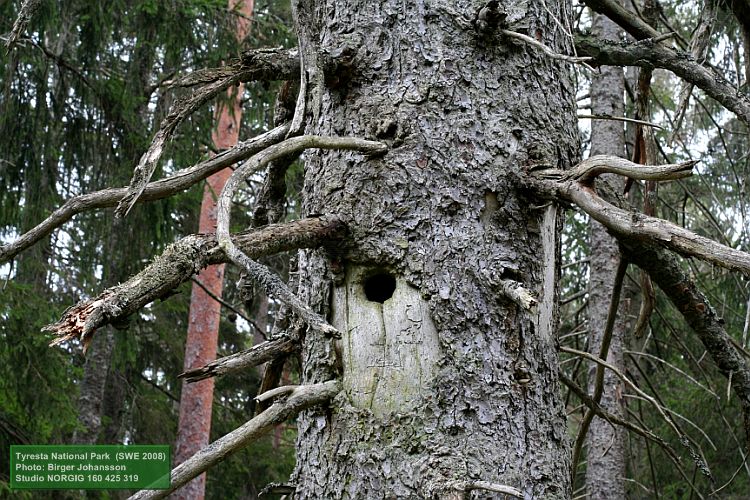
(593, 166)
(301, 398)
(274, 393)
(177, 264)
(156, 190)
(271, 283)
(242, 360)
(682, 64)
(577, 187)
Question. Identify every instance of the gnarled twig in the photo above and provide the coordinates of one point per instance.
(576, 186)
(271, 283)
(301, 398)
(156, 190)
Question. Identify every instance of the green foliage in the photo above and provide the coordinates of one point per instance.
(80, 101)
(35, 403)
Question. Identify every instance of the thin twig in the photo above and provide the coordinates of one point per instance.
(614, 419)
(227, 305)
(548, 51)
(156, 190)
(620, 119)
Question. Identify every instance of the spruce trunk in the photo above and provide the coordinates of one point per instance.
(446, 380)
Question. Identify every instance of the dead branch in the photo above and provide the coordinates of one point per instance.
(301, 398)
(548, 51)
(156, 190)
(262, 276)
(593, 166)
(516, 292)
(682, 64)
(614, 419)
(180, 110)
(631, 23)
(576, 186)
(274, 393)
(240, 361)
(28, 8)
(694, 307)
(637, 390)
(255, 65)
(177, 264)
(467, 486)
(618, 119)
(614, 303)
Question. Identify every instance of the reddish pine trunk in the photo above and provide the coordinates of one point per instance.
(203, 329)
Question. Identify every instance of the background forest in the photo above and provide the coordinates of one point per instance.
(82, 95)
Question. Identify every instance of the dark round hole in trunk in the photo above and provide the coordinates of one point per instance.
(380, 287)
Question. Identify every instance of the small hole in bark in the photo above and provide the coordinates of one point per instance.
(380, 287)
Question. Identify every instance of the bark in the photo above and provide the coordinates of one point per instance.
(605, 456)
(196, 400)
(449, 384)
(90, 400)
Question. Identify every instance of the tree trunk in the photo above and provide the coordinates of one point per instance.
(447, 381)
(196, 399)
(605, 469)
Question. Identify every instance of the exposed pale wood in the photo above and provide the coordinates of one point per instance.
(178, 263)
(389, 351)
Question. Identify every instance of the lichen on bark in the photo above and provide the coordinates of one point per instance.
(463, 113)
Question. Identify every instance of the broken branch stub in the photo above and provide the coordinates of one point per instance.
(178, 263)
